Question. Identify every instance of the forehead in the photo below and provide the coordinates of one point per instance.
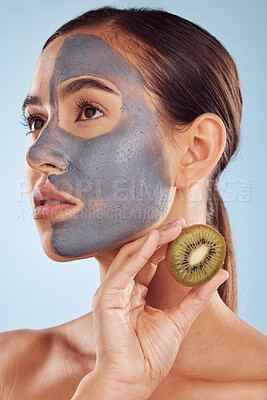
(80, 54)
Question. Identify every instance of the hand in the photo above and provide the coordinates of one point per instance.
(136, 345)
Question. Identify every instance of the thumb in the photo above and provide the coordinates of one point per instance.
(190, 307)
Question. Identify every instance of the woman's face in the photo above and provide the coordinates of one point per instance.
(95, 140)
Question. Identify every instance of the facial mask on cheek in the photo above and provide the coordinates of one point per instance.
(122, 176)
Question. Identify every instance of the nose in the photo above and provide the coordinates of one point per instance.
(47, 154)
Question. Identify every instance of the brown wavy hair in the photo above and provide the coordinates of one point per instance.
(191, 73)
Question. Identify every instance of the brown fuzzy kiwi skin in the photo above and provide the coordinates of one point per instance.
(169, 248)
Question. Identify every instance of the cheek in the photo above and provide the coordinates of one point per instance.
(30, 177)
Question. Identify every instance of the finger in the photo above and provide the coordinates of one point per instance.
(121, 277)
(131, 248)
(138, 295)
(166, 235)
(146, 274)
(187, 311)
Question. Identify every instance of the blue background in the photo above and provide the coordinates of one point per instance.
(36, 292)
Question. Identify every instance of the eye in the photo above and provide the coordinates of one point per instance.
(34, 122)
(89, 110)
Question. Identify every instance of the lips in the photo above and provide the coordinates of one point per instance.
(49, 204)
(46, 193)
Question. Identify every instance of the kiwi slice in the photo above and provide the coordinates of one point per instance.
(195, 255)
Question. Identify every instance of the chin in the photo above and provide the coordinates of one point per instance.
(49, 251)
(45, 233)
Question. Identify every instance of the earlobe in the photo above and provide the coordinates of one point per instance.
(205, 142)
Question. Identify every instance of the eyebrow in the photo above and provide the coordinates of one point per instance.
(30, 99)
(68, 90)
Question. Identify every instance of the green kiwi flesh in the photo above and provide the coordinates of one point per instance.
(196, 255)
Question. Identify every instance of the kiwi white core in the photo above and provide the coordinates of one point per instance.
(198, 255)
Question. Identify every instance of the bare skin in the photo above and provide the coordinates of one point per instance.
(221, 357)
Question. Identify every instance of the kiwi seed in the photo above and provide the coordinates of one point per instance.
(195, 255)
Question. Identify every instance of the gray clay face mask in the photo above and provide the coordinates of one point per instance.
(129, 158)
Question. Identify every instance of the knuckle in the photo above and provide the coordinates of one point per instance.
(156, 260)
(198, 297)
(94, 301)
(183, 326)
(181, 329)
(142, 258)
(98, 293)
(130, 248)
(142, 289)
(127, 249)
(99, 300)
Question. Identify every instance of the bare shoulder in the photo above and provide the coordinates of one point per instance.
(259, 351)
(18, 349)
(252, 352)
(28, 355)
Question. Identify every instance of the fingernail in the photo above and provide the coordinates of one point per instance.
(227, 274)
(173, 227)
(222, 274)
(172, 223)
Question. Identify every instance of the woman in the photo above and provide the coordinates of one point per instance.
(165, 109)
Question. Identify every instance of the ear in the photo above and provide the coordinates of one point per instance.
(203, 143)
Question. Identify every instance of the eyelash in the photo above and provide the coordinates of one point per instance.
(80, 105)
